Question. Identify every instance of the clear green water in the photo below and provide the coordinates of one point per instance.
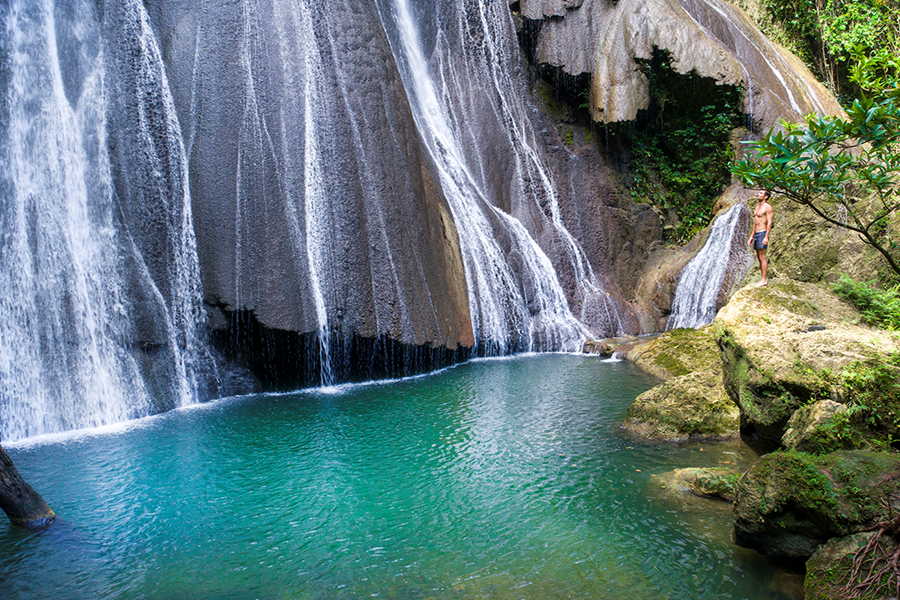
(494, 479)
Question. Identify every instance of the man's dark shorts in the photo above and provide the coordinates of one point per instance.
(758, 238)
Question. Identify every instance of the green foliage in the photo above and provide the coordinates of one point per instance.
(877, 72)
(800, 21)
(880, 308)
(679, 147)
(830, 163)
(849, 27)
(872, 389)
(841, 432)
(826, 34)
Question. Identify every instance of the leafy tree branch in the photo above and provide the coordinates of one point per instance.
(830, 163)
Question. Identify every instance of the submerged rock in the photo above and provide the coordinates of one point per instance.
(711, 482)
(789, 503)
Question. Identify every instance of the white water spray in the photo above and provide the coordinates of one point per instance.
(697, 294)
(512, 310)
(67, 353)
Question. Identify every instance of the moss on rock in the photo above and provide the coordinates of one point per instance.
(780, 346)
(693, 406)
(790, 502)
(677, 352)
(823, 427)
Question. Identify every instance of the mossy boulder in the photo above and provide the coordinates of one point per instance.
(789, 503)
(703, 482)
(677, 352)
(690, 407)
(780, 344)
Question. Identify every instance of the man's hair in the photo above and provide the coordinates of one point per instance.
(767, 193)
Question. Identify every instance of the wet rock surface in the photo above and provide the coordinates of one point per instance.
(710, 37)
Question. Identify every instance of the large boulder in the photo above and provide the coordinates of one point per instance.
(692, 403)
(689, 407)
(790, 502)
(778, 343)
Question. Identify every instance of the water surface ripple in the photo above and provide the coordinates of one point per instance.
(494, 479)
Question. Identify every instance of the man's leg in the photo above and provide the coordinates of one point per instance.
(763, 265)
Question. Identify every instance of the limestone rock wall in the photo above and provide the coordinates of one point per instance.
(354, 228)
(712, 37)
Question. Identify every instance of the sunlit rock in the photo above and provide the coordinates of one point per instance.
(710, 37)
(776, 343)
(688, 407)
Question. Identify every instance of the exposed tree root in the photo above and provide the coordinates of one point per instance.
(875, 571)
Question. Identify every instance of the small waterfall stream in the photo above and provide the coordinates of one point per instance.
(698, 295)
(311, 221)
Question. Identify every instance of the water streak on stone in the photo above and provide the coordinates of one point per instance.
(91, 331)
(698, 295)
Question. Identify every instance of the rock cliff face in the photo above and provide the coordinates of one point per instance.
(337, 190)
(711, 37)
(326, 177)
(314, 204)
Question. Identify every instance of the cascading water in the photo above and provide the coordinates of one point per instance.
(73, 284)
(497, 56)
(306, 203)
(514, 308)
(697, 297)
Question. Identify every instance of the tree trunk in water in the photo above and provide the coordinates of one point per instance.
(19, 501)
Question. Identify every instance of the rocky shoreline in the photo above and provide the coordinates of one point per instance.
(778, 368)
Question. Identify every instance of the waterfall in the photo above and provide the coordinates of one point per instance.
(515, 298)
(307, 202)
(77, 297)
(698, 295)
(534, 181)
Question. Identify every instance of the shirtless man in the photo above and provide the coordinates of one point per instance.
(759, 236)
